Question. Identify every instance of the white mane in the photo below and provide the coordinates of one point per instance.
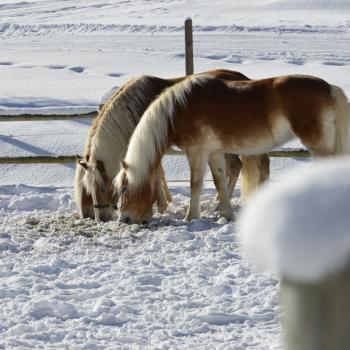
(108, 140)
(151, 134)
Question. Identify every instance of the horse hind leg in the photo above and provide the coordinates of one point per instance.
(232, 178)
(165, 187)
(264, 166)
(332, 128)
(329, 141)
(217, 166)
(233, 166)
(161, 196)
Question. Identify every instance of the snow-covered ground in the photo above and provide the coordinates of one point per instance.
(68, 283)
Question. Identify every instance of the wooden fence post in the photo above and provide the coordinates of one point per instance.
(299, 228)
(317, 315)
(189, 46)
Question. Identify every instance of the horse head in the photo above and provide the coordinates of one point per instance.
(99, 186)
(136, 199)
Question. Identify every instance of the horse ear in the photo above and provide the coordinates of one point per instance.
(83, 163)
(78, 157)
(102, 170)
(100, 166)
(125, 165)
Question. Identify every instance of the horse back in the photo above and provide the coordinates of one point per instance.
(301, 92)
(236, 109)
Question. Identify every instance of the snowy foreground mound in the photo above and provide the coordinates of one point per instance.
(299, 227)
(70, 283)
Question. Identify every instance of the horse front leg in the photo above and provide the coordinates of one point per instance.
(217, 166)
(197, 161)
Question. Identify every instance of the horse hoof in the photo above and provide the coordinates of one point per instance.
(228, 216)
(190, 217)
(162, 208)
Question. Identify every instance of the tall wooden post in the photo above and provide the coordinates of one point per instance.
(189, 46)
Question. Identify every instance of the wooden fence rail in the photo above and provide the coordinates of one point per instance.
(41, 117)
(71, 159)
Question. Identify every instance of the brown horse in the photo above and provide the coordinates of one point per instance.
(206, 116)
(107, 142)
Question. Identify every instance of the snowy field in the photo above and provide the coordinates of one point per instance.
(68, 283)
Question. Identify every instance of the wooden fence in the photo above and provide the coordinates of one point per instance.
(71, 158)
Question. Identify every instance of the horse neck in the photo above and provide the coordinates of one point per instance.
(147, 146)
(154, 134)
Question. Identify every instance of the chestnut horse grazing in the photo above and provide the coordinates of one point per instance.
(206, 117)
(107, 142)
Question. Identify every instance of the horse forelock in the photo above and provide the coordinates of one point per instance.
(93, 179)
(119, 182)
(150, 138)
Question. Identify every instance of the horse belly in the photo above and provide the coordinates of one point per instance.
(278, 133)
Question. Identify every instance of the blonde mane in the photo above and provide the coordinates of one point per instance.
(150, 137)
(109, 136)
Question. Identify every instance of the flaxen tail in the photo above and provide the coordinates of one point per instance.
(255, 170)
(342, 113)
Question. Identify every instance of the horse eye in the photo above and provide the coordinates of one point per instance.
(124, 189)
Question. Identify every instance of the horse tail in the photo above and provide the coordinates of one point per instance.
(255, 170)
(342, 116)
